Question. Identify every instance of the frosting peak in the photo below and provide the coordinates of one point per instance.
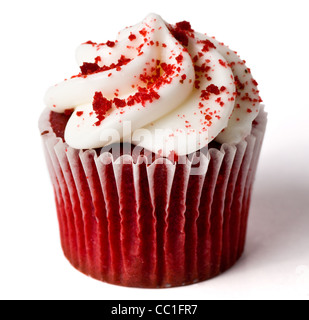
(165, 88)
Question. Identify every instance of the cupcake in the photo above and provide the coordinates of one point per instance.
(152, 149)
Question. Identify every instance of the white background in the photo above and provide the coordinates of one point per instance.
(38, 41)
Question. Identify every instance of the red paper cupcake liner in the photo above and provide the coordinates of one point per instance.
(130, 223)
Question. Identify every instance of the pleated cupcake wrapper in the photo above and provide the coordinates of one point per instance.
(127, 222)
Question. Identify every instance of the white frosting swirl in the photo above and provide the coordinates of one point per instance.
(184, 92)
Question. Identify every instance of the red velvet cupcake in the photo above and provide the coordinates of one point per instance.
(152, 150)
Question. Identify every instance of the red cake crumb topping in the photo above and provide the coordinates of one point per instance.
(179, 58)
(91, 42)
(89, 68)
(224, 64)
(79, 113)
(197, 84)
(213, 89)
(92, 68)
(120, 103)
(181, 37)
(184, 25)
(142, 96)
(240, 85)
(101, 106)
(207, 45)
(143, 32)
(110, 44)
(132, 37)
(203, 68)
(97, 59)
(182, 32)
(254, 82)
(183, 78)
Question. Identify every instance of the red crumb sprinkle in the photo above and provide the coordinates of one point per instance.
(249, 110)
(143, 32)
(97, 59)
(142, 96)
(184, 25)
(132, 37)
(254, 82)
(239, 84)
(183, 78)
(213, 89)
(197, 84)
(89, 68)
(110, 44)
(202, 69)
(91, 42)
(181, 37)
(181, 32)
(223, 88)
(79, 113)
(179, 58)
(208, 45)
(101, 106)
(92, 68)
(120, 103)
(223, 63)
